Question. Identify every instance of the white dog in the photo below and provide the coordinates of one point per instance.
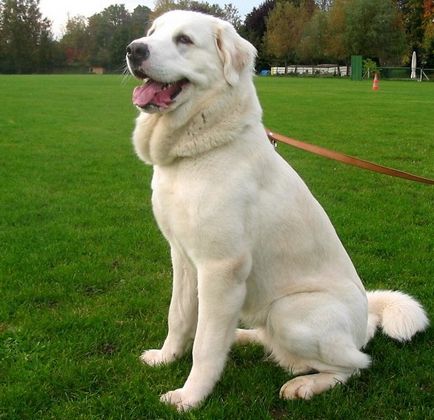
(249, 242)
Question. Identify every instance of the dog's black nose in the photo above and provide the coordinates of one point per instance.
(137, 52)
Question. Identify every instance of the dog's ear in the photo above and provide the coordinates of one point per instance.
(236, 53)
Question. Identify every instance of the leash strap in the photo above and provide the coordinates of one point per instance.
(349, 160)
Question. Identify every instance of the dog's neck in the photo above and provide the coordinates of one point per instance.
(214, 121)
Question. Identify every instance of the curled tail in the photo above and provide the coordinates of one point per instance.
(399, 315)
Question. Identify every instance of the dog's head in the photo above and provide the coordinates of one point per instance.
(183, 55)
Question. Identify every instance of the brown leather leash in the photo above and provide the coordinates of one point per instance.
(349, 160)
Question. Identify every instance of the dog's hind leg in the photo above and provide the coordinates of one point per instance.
(290, 362)
(316, 331)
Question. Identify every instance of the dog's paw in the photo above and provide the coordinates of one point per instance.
(301, 387)
(180, 399)
(156, 357)
(305, 387)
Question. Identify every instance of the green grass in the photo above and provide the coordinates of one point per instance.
(85, 274)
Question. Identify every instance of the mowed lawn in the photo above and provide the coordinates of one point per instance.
(85, 275)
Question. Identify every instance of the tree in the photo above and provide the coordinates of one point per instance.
(25, 37)
(232, 15)
(229, 12)
(335, 45)
(140, 21)
(418, 22)
(280, 27)
(254, 28)
(285, 27)
(412, 15)
(324, 4)
(75, 41)
(312, 46)
(163, 6)
(255, 23)
(46, 51)
(365, 27)
(101, 39)
(428, 35)
(375, 29)
(109, 33)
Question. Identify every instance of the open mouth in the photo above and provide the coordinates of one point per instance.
(157, 94)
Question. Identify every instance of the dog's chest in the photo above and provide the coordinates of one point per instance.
(174, 204)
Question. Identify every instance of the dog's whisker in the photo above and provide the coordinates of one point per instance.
(126, 75)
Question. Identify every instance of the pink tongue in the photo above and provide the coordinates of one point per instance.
(152, 92)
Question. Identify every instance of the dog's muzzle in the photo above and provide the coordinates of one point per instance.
(152, 94)
(137, 53)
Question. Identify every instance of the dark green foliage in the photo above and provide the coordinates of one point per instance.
(26, 44)
(254, 28)
(110, 31)
(228, 12)
(412, 11)
(374, 29)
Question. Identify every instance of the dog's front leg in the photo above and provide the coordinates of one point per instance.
(182, 318)
(221, 292)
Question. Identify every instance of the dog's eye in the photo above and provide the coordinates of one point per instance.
(183, 39)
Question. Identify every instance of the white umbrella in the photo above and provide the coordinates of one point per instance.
(413, 66)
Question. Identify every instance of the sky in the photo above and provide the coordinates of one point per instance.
(58, 11)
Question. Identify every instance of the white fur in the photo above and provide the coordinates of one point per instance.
(398, 314)
(248, 240)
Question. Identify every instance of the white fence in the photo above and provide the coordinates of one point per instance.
(324, 70)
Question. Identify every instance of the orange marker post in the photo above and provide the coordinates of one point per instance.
(375, 85)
